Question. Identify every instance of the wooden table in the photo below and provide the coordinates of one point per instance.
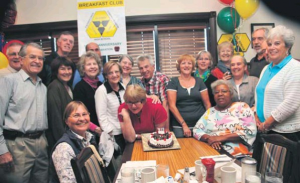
(191, 150)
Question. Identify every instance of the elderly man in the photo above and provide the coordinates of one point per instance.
(12, 54)
(154, 82)
(65, 43)
(23, 120)
(260, 45)
(89, 47)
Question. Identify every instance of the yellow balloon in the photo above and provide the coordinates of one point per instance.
(3, 61)
(246, 8)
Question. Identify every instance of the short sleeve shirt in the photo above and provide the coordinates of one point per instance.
(151, 115)
(189, 104)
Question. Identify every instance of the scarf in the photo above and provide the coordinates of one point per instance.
(91, 82)
(204, 76)
(222, 67)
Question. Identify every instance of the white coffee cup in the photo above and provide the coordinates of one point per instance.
(228, 174)
(148, 175)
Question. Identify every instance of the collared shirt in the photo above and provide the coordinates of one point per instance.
(256, 66)
(23, 105)
(107, 103)
(157, 85)
(6, 71)
(264, 80)
(62, 156)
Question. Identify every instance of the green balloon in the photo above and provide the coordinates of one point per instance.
(228, 19)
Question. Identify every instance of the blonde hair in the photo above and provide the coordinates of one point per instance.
(134, 93)
(225, 44)
(185, 57)
(109, 65)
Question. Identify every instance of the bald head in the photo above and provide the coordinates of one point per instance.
(93, 47)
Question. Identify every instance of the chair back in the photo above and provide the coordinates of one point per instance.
(89, 167)
(275, 153)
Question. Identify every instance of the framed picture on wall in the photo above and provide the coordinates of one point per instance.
(255, 26)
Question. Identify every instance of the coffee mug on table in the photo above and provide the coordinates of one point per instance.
(148, 175)
(228, 174)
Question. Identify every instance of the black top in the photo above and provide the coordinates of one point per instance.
(188, 103)
(86, 94)
(256, 66)
(46, 73)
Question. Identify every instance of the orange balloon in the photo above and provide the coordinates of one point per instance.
(3, 61)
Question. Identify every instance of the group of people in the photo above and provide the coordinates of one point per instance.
(55, 107)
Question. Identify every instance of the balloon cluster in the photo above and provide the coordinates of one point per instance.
(229, 17)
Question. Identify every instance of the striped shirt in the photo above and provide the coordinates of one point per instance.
(281, 98)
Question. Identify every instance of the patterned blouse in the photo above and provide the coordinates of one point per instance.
(238, 118)
(62, 156)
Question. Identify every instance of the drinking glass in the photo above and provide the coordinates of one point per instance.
(162, 170)
(127, 175)
(272, 177)
(253, 177)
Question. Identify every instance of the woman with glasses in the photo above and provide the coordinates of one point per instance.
(139, 114)
(126, 62)
(187, 97)
(204, 62)
(228, 125)
(108, 98)
(58, 96)
(76, 117)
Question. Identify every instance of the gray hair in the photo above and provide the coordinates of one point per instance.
(88, 55)
(11, 45)
(209, 56)
(145, 57)
(222, 82)
(23, 50)
(225, 44)
(266, 31)
(241, 57)
(286, 34)
(126, 56)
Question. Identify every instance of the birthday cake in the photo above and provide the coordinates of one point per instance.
(161, 139)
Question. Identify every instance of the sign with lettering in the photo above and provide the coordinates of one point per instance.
(102, 22)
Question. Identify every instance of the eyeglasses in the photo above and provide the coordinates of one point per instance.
(13, 54)
(77, 115)
(34, 57)
(133, 103)
(221, 91)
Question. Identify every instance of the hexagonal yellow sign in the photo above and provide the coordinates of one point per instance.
(101, 26)
(242, 42)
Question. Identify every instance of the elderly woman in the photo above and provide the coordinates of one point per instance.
(244, 85)
(126, 63)
(77, 118)
(139, 114)
(108, 98)
(89, 68)
(277, 91)
(222, 70)
(187, 97)
(204, 62)
(228, 125)
(58, 96)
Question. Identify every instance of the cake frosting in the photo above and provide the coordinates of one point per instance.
(161, 139)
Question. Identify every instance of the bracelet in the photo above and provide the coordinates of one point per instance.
(136, 136)
(182, 122)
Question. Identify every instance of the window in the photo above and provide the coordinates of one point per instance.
(164, 37)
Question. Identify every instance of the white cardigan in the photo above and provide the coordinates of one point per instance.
(282, 98)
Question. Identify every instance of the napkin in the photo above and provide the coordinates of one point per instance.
(218, 158)
(160, 180)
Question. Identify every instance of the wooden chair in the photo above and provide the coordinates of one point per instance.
(275, 153)
(89, 167)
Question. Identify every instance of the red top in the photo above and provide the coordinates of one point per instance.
(151, 114)
(217, 73)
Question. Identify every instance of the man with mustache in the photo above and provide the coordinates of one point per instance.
(12, 54)
(23, 121)
(65, 43)
(259, 44)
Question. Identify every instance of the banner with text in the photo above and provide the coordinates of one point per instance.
(102, 22)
